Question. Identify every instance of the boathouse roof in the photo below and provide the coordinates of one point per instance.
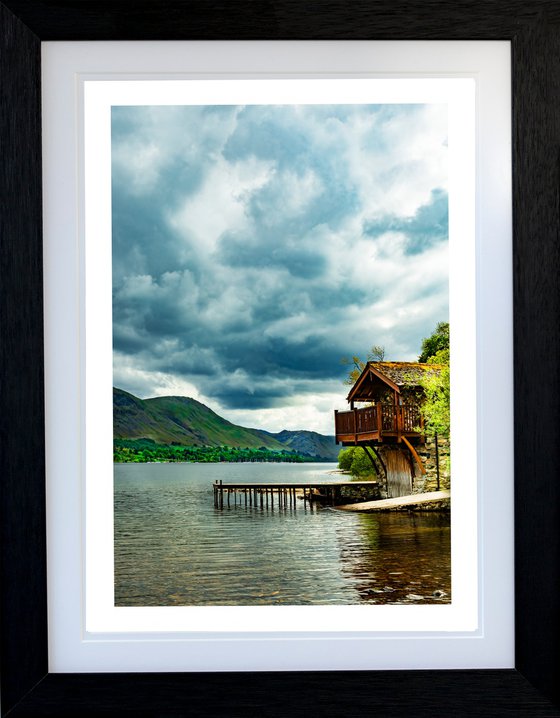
(395, 375)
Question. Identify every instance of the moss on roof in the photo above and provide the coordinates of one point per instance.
(405, 373)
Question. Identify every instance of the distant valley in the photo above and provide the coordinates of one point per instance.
(183, 422)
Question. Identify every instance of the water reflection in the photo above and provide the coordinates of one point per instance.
(173, 548)
(400, 558)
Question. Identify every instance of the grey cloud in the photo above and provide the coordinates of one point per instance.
(429, 225)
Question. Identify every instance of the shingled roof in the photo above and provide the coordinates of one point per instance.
(395, 374)
(405, 373)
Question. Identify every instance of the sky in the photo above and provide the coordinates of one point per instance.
(255, 246)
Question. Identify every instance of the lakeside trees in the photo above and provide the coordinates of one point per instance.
(437, 341)
(436, 406)
(147, 450)
(355, 460)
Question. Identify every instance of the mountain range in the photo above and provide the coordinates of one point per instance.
(183, 421)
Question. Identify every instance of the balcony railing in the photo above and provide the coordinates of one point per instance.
(374, 422)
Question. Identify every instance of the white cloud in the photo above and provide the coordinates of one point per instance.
(220, 205)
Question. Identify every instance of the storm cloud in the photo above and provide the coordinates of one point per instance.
(254, 246)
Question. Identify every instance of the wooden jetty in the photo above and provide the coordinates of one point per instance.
(284, 496)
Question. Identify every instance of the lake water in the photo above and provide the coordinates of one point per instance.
(173, 548)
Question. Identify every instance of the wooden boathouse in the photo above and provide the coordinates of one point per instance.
(385, 419)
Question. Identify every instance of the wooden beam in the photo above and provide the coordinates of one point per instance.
(379, 459)
(415, 454)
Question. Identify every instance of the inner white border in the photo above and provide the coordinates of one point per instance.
(79, 400)
(458, 95)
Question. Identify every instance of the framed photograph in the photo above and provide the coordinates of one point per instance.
(442, 142)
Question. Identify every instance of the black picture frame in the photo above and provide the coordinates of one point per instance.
(532, 688)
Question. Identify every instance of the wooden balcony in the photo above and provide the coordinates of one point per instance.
(380, 423)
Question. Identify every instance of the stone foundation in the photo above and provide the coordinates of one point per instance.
(427, 452)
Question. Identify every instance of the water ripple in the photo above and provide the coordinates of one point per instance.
(172, 547)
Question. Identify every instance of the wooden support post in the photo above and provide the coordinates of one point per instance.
(416, 457)
(437, 460)
(335, 427)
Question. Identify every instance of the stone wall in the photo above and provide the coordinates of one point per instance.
(427, 452)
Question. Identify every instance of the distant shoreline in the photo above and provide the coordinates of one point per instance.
(309, 461)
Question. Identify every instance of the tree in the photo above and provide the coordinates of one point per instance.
(355, 460)
(436, 406)
(376, 353)
(436, 342)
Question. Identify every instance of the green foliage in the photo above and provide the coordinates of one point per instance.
(376, 353)
(355, 460)
(436, 342)
(436, 406)
(147, 450)
(345, 458)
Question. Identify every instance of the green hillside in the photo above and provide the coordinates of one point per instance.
(177, 421)
(183, 421)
